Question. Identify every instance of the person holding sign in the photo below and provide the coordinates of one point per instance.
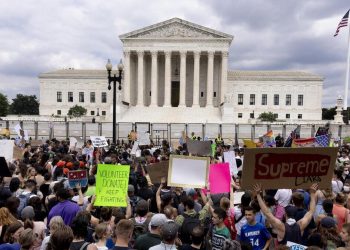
(291, 230)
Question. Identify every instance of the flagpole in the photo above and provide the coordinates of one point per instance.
(346, 85)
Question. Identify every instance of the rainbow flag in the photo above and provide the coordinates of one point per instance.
(304, 143)
(268, 140)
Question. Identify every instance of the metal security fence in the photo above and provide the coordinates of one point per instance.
(231, 133)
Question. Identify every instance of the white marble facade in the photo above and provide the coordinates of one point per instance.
(178, 70)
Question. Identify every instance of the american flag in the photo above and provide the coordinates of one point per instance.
(322, 140)
(343, 23)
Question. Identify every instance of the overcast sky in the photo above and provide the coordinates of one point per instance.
(38, 36)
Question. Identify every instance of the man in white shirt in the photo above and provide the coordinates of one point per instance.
(283, 197)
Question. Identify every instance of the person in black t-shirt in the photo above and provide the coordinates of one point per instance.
(197, 238)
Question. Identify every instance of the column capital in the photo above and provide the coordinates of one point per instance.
(154, 53)
(140, 52)
(167, 53)
(224, 53)
(183, 53)
(196, 53)
(126, 53)
(211, 53)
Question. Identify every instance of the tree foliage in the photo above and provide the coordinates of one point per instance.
(24, 105)
(4, 105)
(77, 111)
(267, 117)
(328, 114)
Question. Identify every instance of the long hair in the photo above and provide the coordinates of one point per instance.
(6, 218)
(60, 239)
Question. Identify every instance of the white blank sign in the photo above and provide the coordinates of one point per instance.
(187, 171)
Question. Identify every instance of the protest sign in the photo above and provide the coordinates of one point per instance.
(17, 153)
(292, 168)
(6, 149)
(249, 143)
(135, 147)
(237, 197)
(230, 158)
(72, 142)
(4, 170)
(79, 176)
(18, 129)
(112, 185)
(295, 246)
(36, 143)
(188, 171)
(158, 170)
(143, 139)
(200, 148)
(98, 141)
(219, 178)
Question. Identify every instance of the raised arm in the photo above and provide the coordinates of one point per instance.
(308, 216)
(158, 199)
(275, 223)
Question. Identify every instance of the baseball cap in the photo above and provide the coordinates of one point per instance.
(158, 220)
(27, 213)
(328, 222)
(169, 230)
(131, 188)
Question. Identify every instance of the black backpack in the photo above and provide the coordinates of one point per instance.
(187, 226)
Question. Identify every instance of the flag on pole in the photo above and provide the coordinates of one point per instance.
(295, 134)
(268, 140)
(322, 140)
(343, 23)
(303, 143)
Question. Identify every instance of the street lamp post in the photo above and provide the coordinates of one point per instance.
(114, 79)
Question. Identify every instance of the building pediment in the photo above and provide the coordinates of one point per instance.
(175, 28)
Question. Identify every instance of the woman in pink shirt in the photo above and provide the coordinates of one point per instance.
(341, 213)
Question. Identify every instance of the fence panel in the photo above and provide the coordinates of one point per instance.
(211, 130)
(228, 133)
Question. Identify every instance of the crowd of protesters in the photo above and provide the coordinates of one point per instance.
(39, 209)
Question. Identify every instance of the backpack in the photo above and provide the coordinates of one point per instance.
(187, 226)
(23, 201)
(139, 229)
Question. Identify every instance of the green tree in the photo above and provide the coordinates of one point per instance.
(4, 105)
(267, 117)
(24, 105)
(77, 111)
(328, 114)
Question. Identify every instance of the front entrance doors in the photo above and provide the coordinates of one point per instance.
(175, 94)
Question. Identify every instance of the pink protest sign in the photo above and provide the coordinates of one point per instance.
(219, 178)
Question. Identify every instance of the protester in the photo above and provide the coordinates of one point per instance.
(169, 235)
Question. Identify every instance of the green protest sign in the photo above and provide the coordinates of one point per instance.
(112, 185)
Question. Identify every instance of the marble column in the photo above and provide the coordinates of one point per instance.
(154, 79)
(167, 79)
(196, 79)
(182, 79)
(210, 78)
(224, 58)
(140, 78)
(127, 76)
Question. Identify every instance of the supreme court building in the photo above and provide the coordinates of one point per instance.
(177, 71)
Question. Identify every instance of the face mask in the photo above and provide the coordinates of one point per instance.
(346, 172)
(346, 189)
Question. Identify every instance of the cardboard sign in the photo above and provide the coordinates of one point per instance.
(230, 158)
(143, 139)
(290, 168)
(4, 170)
(112, 185)
(17, 153)
(98, 141)
(158, 170)
(79, 176)
(219, 178)
(36, 143)
(6, 149)
(188, 171)
(199, 148)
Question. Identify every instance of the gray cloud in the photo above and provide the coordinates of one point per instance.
(39, 36)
